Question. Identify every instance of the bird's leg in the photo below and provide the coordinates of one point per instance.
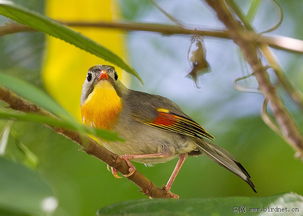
(132, 168)
(174, 174)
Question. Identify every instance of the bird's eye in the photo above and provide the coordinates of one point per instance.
(116, 76)
(89, 77)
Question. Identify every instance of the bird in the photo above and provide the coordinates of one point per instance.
(154, 128)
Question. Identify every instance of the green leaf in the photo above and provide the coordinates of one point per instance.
(290, 204)
(31, 117)
(6, 212)
(34, 95)
(55, 29)
(22, 190)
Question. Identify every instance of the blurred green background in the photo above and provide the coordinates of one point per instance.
(82, 184)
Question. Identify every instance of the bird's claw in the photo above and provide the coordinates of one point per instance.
(114, 171)
(171, 194)
(132, 168)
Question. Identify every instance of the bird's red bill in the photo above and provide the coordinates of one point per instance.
(103, 75)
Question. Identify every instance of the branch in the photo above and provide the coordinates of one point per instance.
(251, 52)
(11, 28)
(278, 42)
(295, 94)
(89, 146)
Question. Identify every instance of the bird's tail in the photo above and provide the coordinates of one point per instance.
(222, 157)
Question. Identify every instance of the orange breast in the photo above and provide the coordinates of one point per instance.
(102, 107)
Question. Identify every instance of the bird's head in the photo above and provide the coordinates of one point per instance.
(99, 73)
(96, 75)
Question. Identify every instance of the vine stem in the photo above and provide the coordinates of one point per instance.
(294, 94)
(251, 53)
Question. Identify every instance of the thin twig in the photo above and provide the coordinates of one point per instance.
(294, 93)
(280, 20)
(278, 42)
(11, 28)
(251, 52)
(169, 16)
(89, 146)
(253, 7)
(267, 119)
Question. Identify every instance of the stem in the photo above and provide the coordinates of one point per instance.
(251, 52)
(254, 5)
(278, 42)
(294, 94)
(169, 16)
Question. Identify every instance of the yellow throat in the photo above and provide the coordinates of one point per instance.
(102, 107)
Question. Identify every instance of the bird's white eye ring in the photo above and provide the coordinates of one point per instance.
(89, 77)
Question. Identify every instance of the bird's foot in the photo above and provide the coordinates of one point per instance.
(132, 168)
(114, 171)
(171, 194)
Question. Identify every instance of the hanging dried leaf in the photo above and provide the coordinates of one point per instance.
(197, 59)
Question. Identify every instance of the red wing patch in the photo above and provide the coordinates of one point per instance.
(176, 123)
(165, 119)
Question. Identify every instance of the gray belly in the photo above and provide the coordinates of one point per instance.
(143, 139)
